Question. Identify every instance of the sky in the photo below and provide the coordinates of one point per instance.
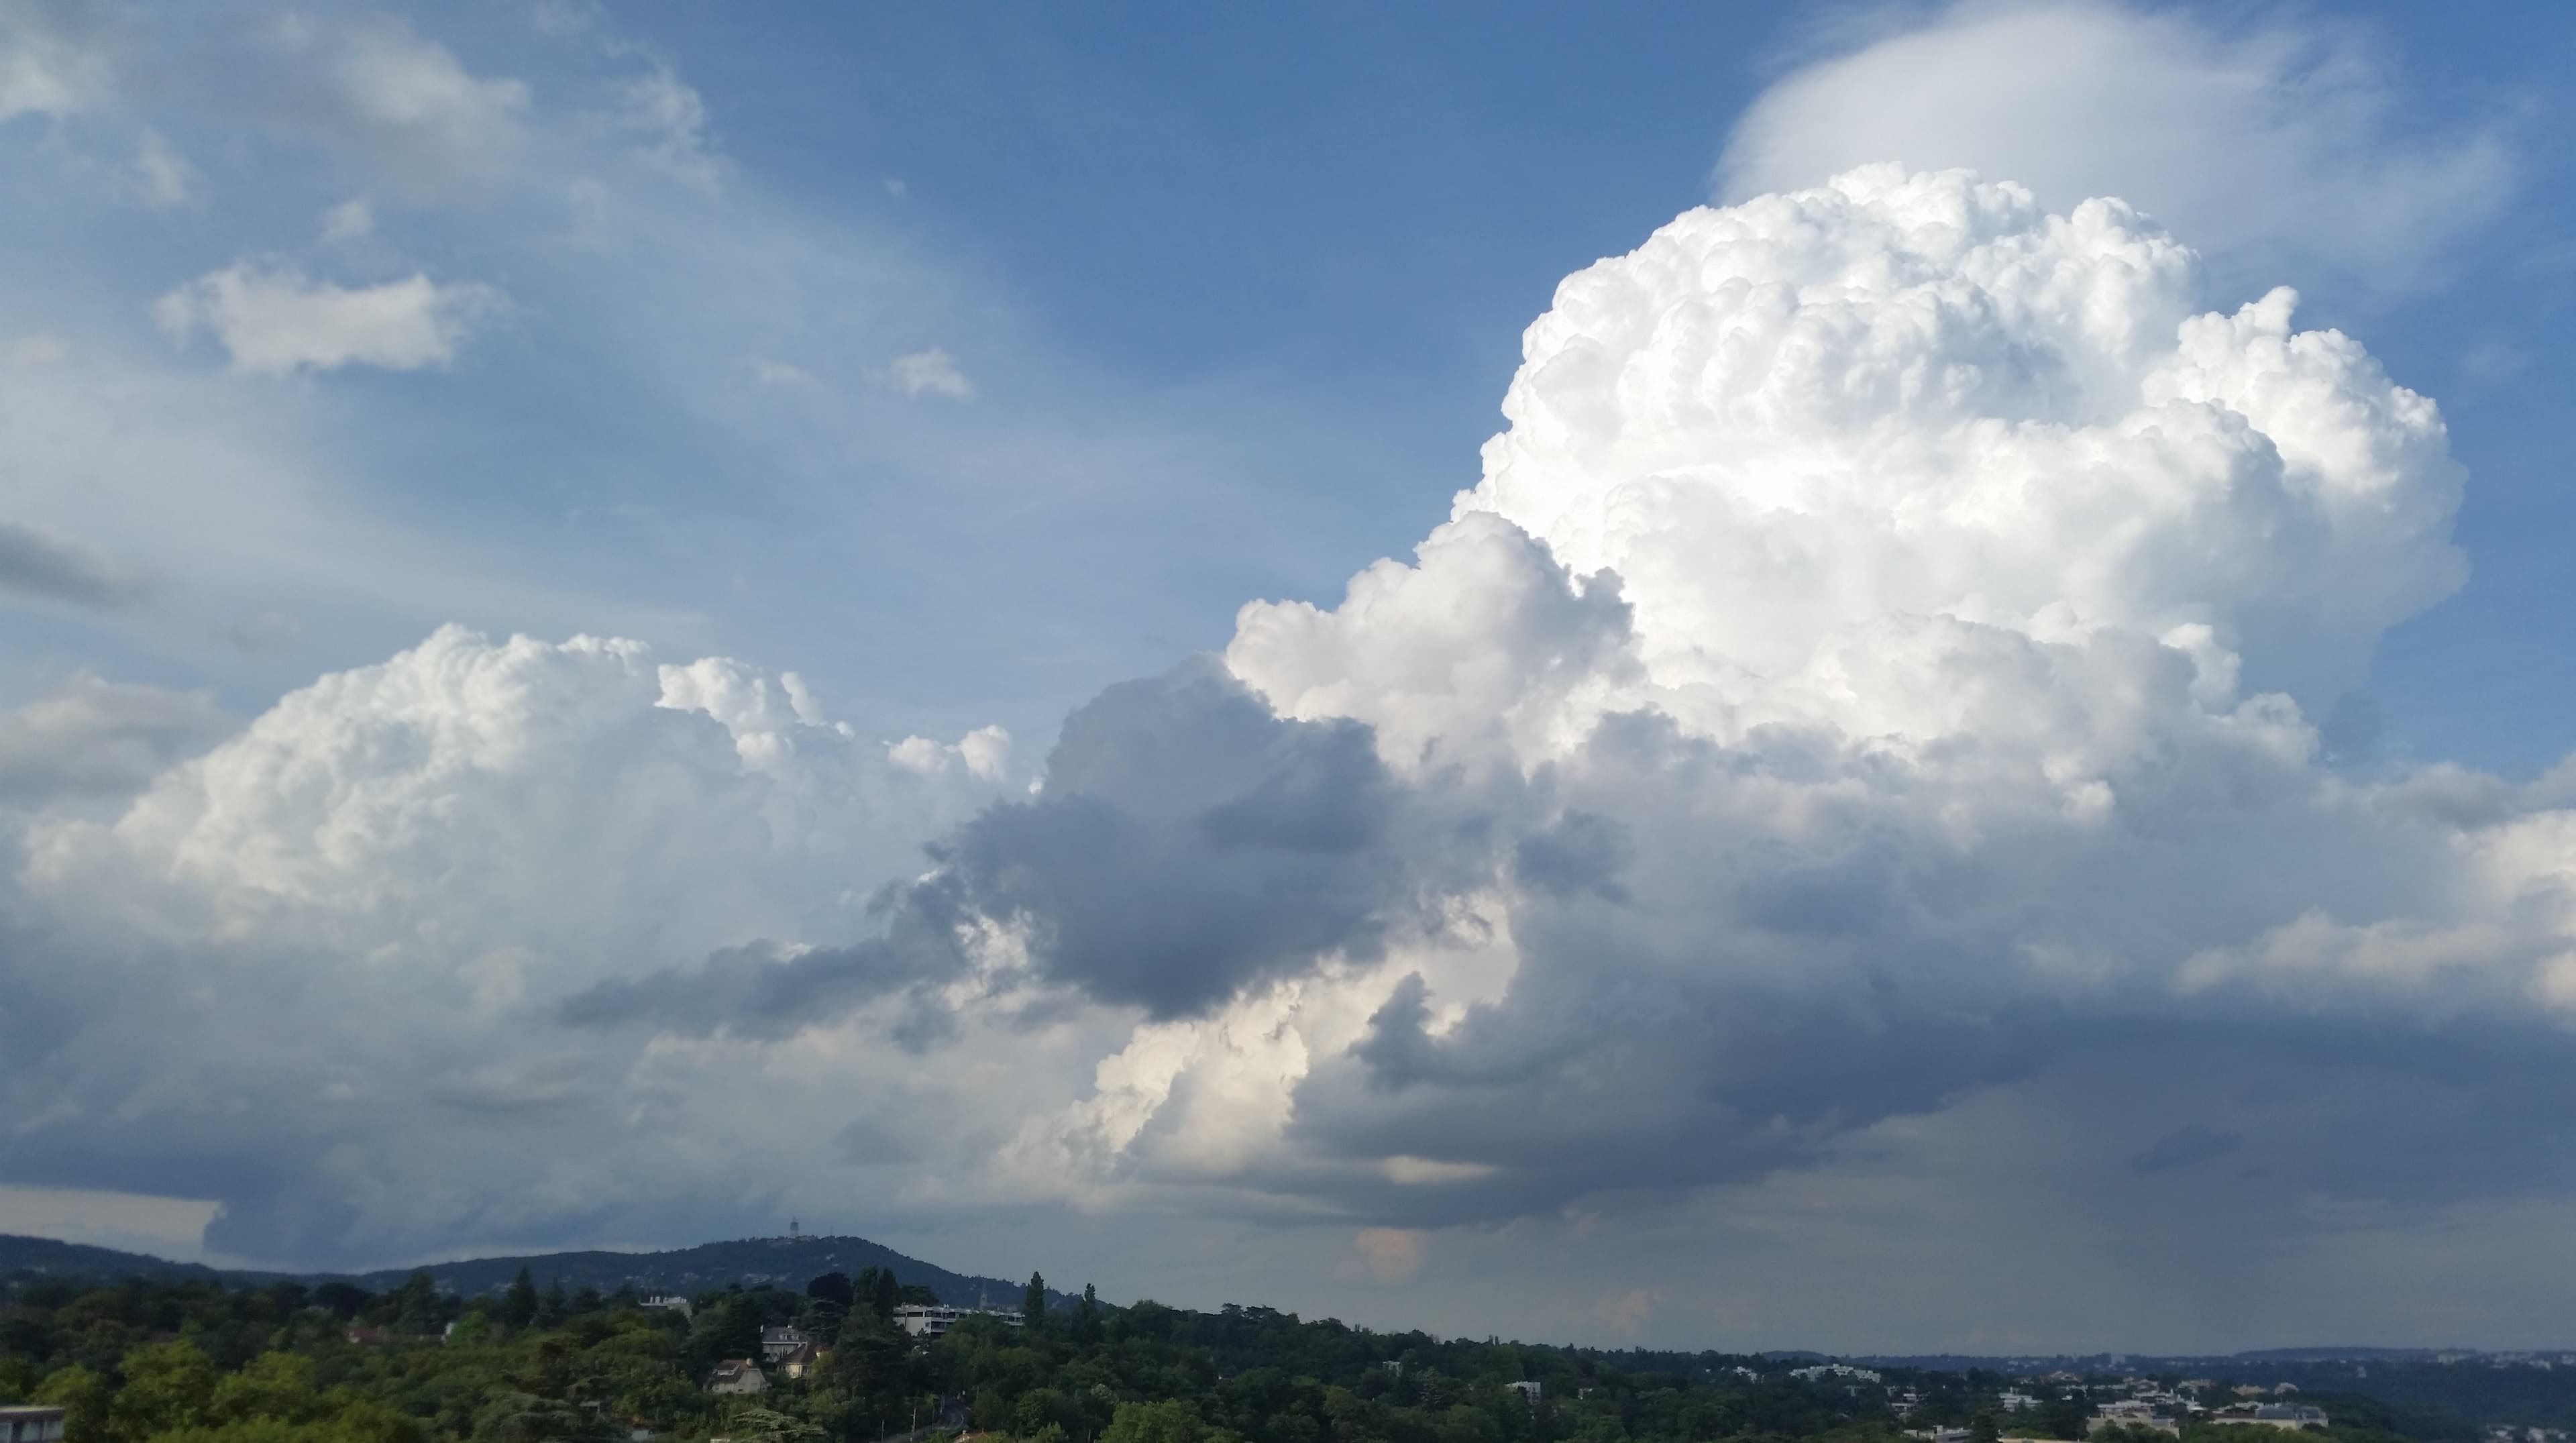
(1877, 678)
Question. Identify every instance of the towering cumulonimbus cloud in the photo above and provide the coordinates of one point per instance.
(1883, 652)
(1827, 437)
(1879, 664)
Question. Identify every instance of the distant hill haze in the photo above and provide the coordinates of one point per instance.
(780, 1262)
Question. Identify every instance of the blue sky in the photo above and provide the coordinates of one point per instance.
(1287, 257)
(1722, 843)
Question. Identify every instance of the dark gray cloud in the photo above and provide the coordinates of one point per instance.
(1188, 845)
(34, 562)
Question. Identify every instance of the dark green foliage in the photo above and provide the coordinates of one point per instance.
(191, 1361)
(519, 1305)
(832, 1287)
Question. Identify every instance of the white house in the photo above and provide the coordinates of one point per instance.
(922, 1322)
(737, 1375)
(31, 1424)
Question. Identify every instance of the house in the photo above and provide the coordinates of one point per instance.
(799, 1363)
(1529, 1392)
(777, 1343)
(1833, 1370)
(672, 1303)
(737, 1375)
(31, 1424)
(2272, 1415)
(922, 1322)
(364, 1336)
(2016, 1401)
(2135, 1413)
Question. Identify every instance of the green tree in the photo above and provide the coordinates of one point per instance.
(417, 1308)
(1981, 1429)
(832, 1287)
(515, 1417)
(519, 1305)
(1033, 1302)
(1167, 1421)
(167, 1386)
(272, 1385)
(768, 1425)
(85, 1398)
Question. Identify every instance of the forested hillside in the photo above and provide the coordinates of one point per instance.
(780, 1262)
(154, 1361)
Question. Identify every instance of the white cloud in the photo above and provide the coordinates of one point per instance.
(275, 321)
(1895, 610)
(165, 177)
(984, 752)
(929, 373)
(29, 352)
(45, 68)
(402, 107)
(785, 375)
(2271, 145)
(666, 121)
(1830, 444)
(86, 738)
(399, 872)
(350, 220)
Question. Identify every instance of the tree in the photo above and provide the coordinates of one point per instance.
(167, 1386)
(519, 1305)
(272, 1385)
(877, 1291)
(343, 1299)
(85, 1398)
(1033, 1303)
(771, 1426)
(1169, 1421)
(1086, 1317)
(832, 1287)
(1981, 1429)
(416, 1305)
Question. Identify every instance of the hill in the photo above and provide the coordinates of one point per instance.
(47, 1258)
(781, 1262)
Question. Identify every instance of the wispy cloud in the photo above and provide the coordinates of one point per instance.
(36, 562)
(929, 373)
